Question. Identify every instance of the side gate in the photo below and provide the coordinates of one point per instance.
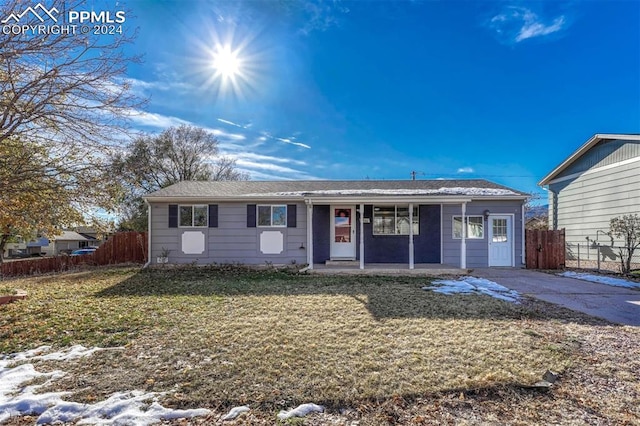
(544, 249)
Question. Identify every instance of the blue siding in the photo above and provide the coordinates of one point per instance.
(395, 248)
(321, 234)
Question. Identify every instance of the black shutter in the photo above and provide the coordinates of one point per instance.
(173, 215)
(213, 215)
(251, 215)
(291, 215)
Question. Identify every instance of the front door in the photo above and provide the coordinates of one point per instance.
(500, 240)
(343, 232)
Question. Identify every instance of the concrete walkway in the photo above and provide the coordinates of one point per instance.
(616, 304)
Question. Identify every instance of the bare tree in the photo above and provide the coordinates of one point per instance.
(626, 227)
(64, 102)
(64, 88)
(153, 162)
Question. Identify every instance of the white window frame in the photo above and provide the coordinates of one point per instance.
(271, 206)
(468, 235)
(193, 207)
(416, 217)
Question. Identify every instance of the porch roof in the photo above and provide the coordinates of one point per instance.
(454, 190)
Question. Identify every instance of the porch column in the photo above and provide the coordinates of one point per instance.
(463, 240)
(411, 254)
(361, 236)
(310, 235)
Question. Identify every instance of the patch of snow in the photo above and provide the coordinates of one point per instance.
(616, 282)
(235, 412)
(439, 191)
(121, 408)
(300, 411)
(473, 285)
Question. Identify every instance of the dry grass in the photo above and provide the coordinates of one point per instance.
(374, 349)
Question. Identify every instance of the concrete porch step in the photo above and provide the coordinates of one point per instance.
(343, 263)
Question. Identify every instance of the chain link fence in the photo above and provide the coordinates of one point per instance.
(600, 257)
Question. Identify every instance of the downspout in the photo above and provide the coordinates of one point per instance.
(361, 236)
(463, 240)
(522, 254)
(309, 234)
(411, 253)
(146, 265)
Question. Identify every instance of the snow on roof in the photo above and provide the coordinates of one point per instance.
(439, 191)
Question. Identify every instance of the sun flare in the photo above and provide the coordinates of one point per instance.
(226, 62)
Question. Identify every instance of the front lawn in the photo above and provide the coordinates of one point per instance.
(375, 349)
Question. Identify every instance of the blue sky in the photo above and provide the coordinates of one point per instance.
(353, 90)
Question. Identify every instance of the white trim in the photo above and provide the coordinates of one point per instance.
(522, 254)
(361, 236)
(310, 235)
(595, 139)
(332, 235)
(148, 236)
(411, 253)
(453, 235)
(595, 170)
(513, 239)
(463, 240)
(286, 208)
(193, 206)
(442, 234)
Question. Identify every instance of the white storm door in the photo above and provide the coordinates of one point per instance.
(343, 232)
(500, 240)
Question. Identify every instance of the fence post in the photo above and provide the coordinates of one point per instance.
(598, 254)
(578, 255)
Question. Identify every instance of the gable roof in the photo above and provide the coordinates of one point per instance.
(333, 188)
(69, 236)
(595, 139)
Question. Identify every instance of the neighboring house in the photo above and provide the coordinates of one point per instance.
(599, 181)
(68, 241)
(30, 248)
(312, 222)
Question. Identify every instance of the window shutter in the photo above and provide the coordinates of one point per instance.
(173, 215)
(291, 215)
(213, 215)
(251, 215)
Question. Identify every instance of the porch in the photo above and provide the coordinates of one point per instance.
(353, 268)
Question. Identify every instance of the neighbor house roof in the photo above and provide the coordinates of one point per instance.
(595, 139)
(69, 236)
(475, 188)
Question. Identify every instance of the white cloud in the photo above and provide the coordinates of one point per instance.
(267, 158)
(533, 28)
(151, 119)
(289, 141)
(231, 123)
(466, 170)
(515, 24)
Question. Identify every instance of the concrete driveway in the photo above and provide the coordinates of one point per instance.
(616, 304)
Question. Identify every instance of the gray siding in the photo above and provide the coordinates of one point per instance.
(232, 241)
(587, 202)
(604, 153)
(478, 249)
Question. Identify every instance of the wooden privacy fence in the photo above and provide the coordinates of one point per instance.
(123, 247)
(545, 249)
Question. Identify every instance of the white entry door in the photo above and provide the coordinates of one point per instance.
(500, 240)
(343, 232)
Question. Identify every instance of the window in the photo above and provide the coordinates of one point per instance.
(394, 220)
(272, 216)
(475, 227)
(190, 216)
